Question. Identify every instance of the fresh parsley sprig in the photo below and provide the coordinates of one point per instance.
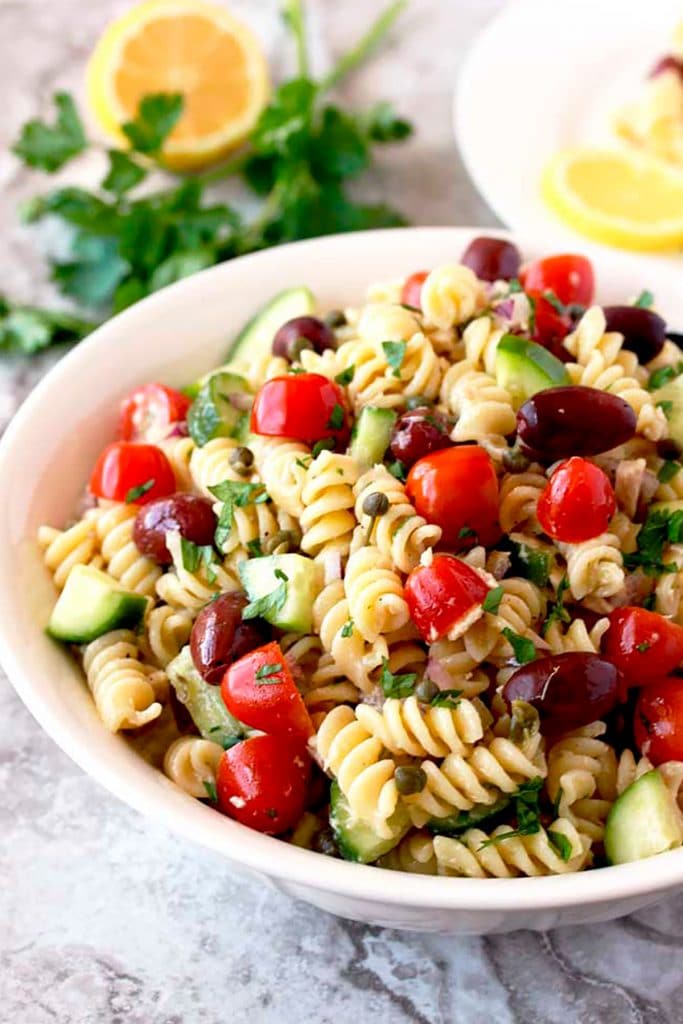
(396, 685)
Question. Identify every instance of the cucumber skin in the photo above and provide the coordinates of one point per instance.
(92, 604)
(366, 452)
(673, 392)
(128, 616)
(348, 843)
(539, 368)
(303, 586)
(203, 702)
(248, 333)
(628, 828)
(456, 824)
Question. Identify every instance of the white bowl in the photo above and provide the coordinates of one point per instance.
(45, 458)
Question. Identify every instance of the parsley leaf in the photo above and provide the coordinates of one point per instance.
(661, 527)
(265, 671)
(395, 352)
(466, 531)
(210, 788)
(668, 470)
(234, 494)
(661, 376)
(553, 300)
(326, 444)
(254, 547)
(384, 125)
(527, 812)
(270, 603)
(347, 629)
(530, 563)
(492, 600)
(26, 330)
(666, 405)
(156, 118)
(561, 844)
(124, 173)
(396, 685)
(136, 492)
(195, 556)
(644, 300)
(523, 648)
(557, 611)
(49, 147)
(346, 376)
(446, 699)
(336, 420)
(397, 469)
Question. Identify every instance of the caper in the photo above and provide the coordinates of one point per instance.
(297, 347)
(325, 843)
(515, 461)
(242, 460)
(278, 543)
(376, 504)
(418, 402)
(426, 690)
(335, 318)
(410, 779)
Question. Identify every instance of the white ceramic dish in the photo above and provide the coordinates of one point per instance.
(542, 76)
(46, 456)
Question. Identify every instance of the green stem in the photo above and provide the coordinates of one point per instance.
(365, 46)
(293, 12)
(226, 170)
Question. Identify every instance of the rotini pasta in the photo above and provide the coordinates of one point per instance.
(114, 526)
(374, 592)
(62, 549)
(471, 857)
(192, 763)
(400, 533)
(327, 521)
(451, 295)
(126, 692)
(404, 727)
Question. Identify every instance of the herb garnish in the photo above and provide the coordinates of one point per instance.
(534, 565)
(234, 494)
(346, 376)
(196, 555)
(645, 299)
(446, 699)
(668, 470)
(347, 629)
(395, 352)
(527, 812)
(666, 405)
(136, 492)
(662, 375)
(270, 603)
(336, 420)
(210, 788)
(523, 648)
(255, 548)
(466, 531)
(326, 444)
(396, 685)
(264, 673)
(642, 648)
(557, 611)
(661, 527)
(398, 470)
(561, 844)
(491, 602)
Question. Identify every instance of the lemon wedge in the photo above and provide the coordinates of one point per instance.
(619, 197)
(187, 46)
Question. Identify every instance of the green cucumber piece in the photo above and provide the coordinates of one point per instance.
(357, 841)
(255, 339)
(371, 435)
(643, 821)
(204, 702)
(524, 368)
(672, 395)
(301, 587)
(454, 824)
(218, 410)
(92, 603)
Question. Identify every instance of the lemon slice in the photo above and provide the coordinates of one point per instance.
(186, 46)
(618, 197)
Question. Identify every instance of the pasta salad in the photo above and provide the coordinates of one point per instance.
(402, 583)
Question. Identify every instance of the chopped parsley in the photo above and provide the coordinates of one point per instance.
(642, 648)
(561, 844)
(557, 612)
(270, 603)
(666, 405)
(396, 685)
(347, 629)
(234, 494)
(466, 531)
(527, 812)
(662, 375)
(397, 469)
(210, 788)
(551, 298)
(254, 548)
(346, 376)
(531, 564)
(395, 352)
(336, 420)
(136, 492)
(411, 309)
(557, 801)
(645, 300)
(264, 673)
(523, 648)
(492, 600)
(668, 470)
(446, 699)
(296, 370)
(326, 444)
(661, 527)
(305, 462)
(196, 555)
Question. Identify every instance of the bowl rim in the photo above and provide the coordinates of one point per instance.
(240, 845)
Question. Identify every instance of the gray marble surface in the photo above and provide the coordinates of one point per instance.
(106, 918)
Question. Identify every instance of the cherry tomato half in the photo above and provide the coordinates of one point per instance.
(577, 503)
(150, 413)
(643, 645)
(551, 328)
(305, 406)
(568, 276)
(412, 289)
(457, 488)
(444, 595)
(136, 472)
(260, 691)
(658, 724)
(262, 782)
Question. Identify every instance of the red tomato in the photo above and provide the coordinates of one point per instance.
(568, 276)
(124, 467)
(150, 412)
(443, 594)
(643, 645)
(304, 406)
(412, 289)
(262, 782)
(457, 488)
(577, 503)
(550, 328)
(658, 724)
(260, 691)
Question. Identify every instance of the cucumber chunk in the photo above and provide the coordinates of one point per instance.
(256, 338)
(454, 824)
(92, 603)
(204, 702)
(371, 435)
(523, 368)
(221, 408)
(643, 821)
(672, 397)
(356, 839)
(300, 580)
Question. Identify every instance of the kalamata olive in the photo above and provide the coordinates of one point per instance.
(193, 517)
(561, 422)
(492, 259)
(219, 636)
(669, 63)
(567, 690)
(302, 332)
(419, 432)
(644, 330)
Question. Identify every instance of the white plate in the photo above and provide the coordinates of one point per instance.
(45, 458)
(546, 74)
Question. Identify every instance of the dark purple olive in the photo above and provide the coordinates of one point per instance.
(219, 636)
(575, 420)
(567, 690)
(419, 432)
(193, 518)
(644, 330)
(492, 259)
(667, 64)
(302, 332)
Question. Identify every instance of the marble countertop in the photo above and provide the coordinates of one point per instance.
(105, 918)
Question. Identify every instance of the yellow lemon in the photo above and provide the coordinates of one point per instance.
(619, 197)
(183, 46)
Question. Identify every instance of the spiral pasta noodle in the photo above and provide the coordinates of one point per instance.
(483, 408)
(374, 591)
(282, 466)
(327, 521)
(582, 779)
(211, 464)
(414, 854)
(63, 549)
(384, 321)
(481, 339)
(530, 855)
(375, 382)
(576, 637)
(114, 526)
(405, 727)
(594, 567)
(519, 494)
(181, 588)
(125, 690)
(339, 637)
(178, 451)
(168, 630)
(451, 294)
(192, 763)
(400, 534)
